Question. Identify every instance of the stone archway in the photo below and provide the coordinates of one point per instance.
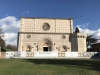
(62, 51)
(45, 45)
(63, 48)
(28, 48)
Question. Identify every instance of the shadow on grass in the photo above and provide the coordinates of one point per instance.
(86, 63)
(96, 55)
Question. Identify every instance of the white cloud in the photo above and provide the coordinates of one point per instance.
(83, 25)
(95, 33)
(6, 15)
(10, 26)
(11, 38)
(26, 12)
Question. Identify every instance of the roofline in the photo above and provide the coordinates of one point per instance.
(46, 18)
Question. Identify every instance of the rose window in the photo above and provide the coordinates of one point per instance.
(46, 26)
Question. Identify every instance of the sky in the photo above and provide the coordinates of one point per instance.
(85, 14)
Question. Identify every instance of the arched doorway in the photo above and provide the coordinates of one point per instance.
(28, 48)
(45, 45)
(62, 51)
(63, 48)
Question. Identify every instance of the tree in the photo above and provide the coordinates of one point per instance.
(90, 40)
(11, 47)
(77, 30)
(2, 42)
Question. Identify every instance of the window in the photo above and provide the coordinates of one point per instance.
(46, 26)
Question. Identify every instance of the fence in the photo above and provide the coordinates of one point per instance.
(51, 54)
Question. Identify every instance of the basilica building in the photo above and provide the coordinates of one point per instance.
(49, 35)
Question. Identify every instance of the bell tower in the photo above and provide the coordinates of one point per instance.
(78, 42)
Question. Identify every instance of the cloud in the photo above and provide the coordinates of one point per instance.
(6, 15)
(11, 38)
(83, 29)
(83, 25)
(10, 26)
(26, 12)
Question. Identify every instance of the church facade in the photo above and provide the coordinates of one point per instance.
(50, 35)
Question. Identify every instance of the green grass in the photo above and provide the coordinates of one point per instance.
(49, 67)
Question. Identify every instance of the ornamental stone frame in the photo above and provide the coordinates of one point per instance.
(45, 42)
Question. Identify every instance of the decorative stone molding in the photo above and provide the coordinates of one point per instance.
(78, 35)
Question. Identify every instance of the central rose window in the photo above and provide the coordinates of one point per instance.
(46, 26)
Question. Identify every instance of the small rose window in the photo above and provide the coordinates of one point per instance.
(46, 26)
(28, 36)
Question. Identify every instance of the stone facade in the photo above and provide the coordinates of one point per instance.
(49, 35)
(78, 42)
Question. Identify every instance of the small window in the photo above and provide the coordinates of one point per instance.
(28, 36)
(63, 36)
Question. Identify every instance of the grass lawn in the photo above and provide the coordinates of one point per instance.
(50, 67)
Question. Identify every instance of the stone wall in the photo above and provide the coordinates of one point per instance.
(78, 42)
(56, 34)
(14, 54)
(38, 40)
(56, 25)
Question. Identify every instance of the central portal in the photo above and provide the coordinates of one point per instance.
(45, 48)
(45, 45)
